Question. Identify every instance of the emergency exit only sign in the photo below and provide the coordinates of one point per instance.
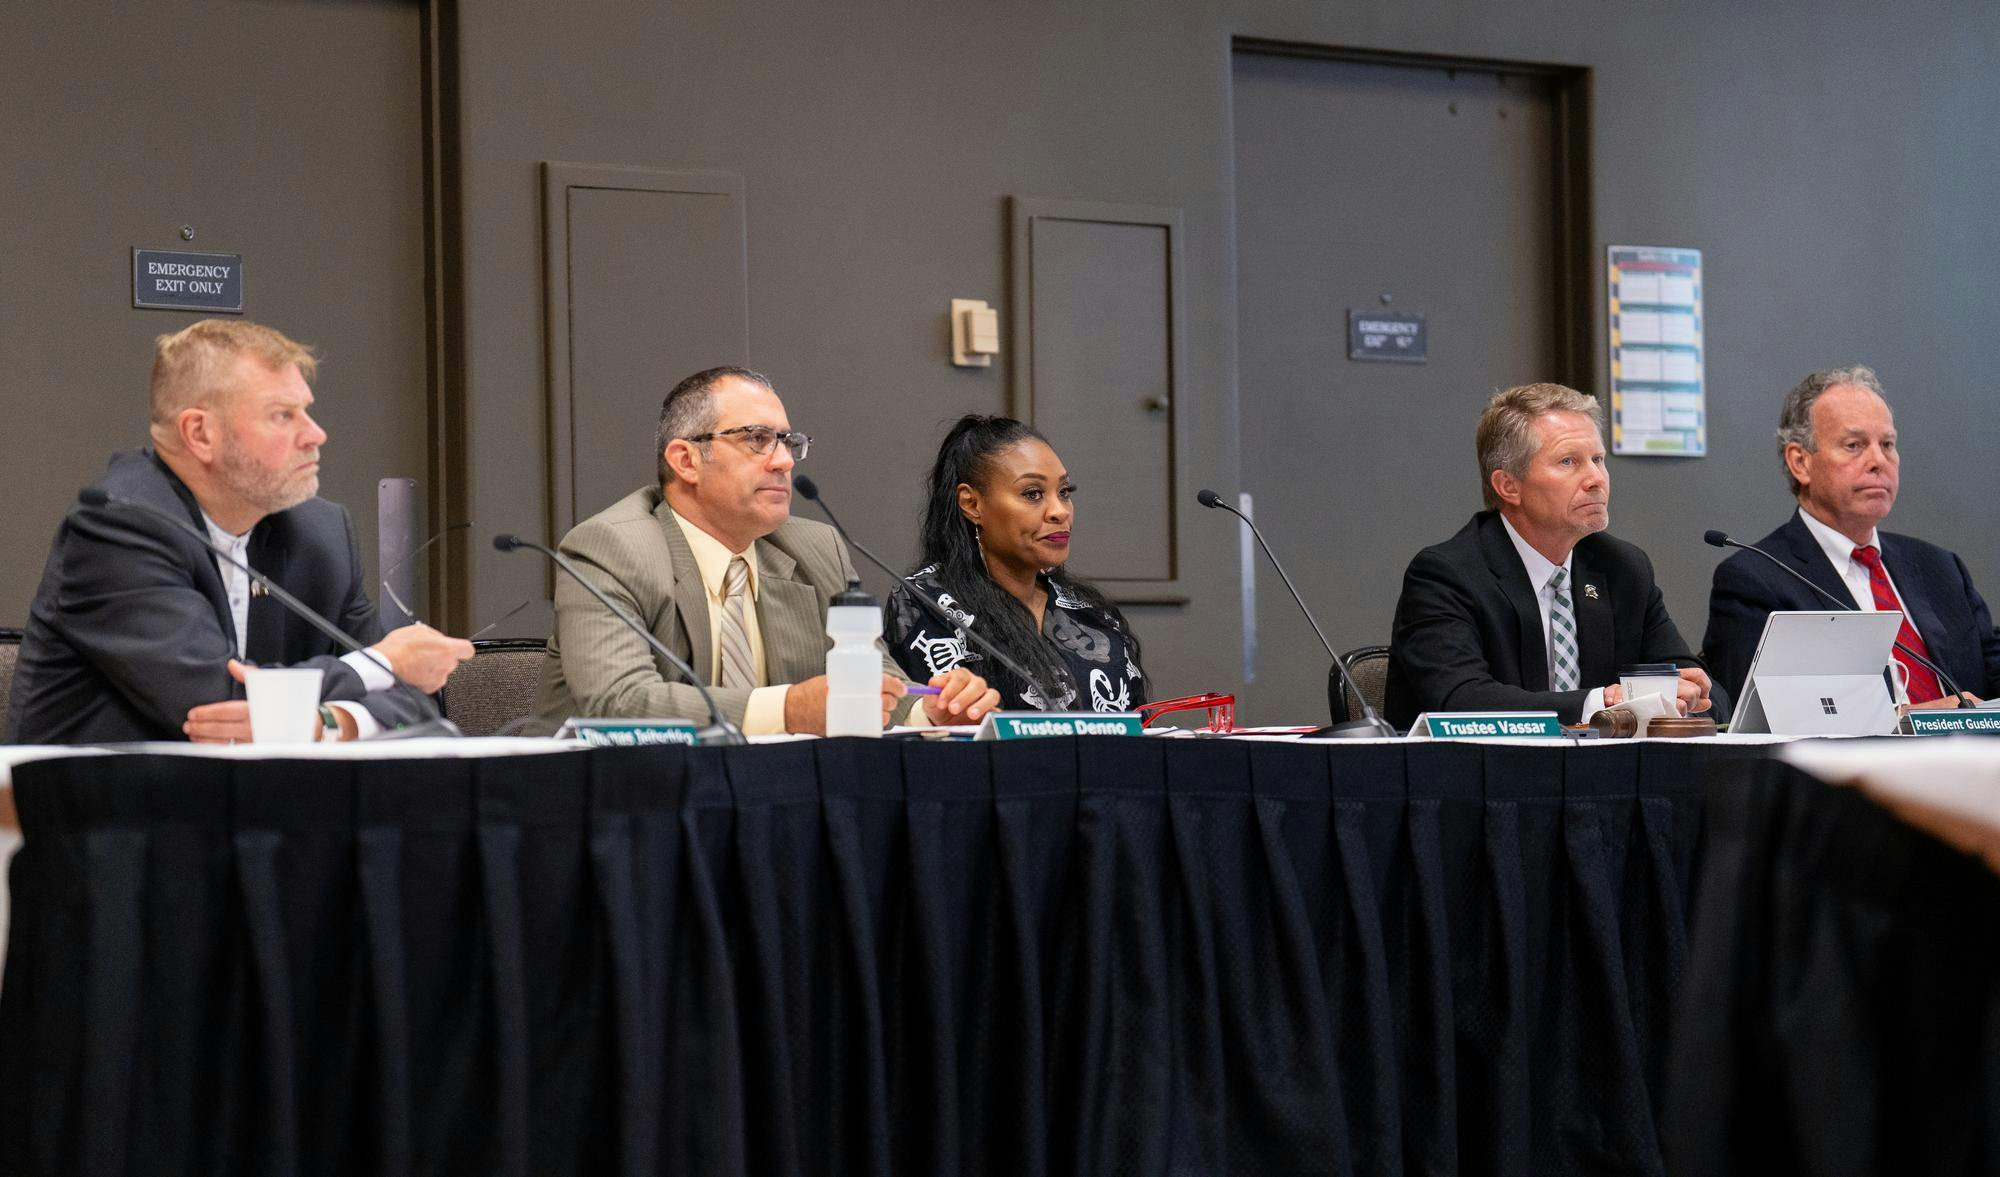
(169, 279)
(1383, 335)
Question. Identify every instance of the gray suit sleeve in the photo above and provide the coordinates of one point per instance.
(611, 672)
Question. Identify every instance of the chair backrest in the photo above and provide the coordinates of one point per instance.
(497, 686)
(1369, 667)
(10, 651)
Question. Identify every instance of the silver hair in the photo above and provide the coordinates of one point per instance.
(1506, 437)
(689, 410)
(1795, 424)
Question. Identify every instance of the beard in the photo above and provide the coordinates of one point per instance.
(270, 491)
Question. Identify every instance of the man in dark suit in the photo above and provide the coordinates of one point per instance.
(138, 632)
(1530, 607)
(1837, 441)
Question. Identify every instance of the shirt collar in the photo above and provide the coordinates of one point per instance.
(712, 556)
(235, 543)
(1538, 566)
(1838, 548)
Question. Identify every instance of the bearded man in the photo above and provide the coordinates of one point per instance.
(138, 632)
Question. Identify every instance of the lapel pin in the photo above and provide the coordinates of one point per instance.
(1590, 590)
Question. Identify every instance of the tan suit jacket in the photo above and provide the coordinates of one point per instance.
(635, 553)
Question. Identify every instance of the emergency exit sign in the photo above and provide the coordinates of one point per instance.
(1379, 335)
(168, 279)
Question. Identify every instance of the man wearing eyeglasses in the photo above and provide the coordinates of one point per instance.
(712, 562)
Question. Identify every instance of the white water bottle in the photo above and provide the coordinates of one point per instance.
(854, 665)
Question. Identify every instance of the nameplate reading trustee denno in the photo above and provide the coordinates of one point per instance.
(166, 279)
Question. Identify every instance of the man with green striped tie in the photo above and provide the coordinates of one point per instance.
(1531, 607)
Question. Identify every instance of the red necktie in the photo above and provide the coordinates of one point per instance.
(1923, 684)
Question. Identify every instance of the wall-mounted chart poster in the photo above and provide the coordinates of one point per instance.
(1657, 404)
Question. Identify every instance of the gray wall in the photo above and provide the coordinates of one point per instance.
(1833, 162)
(288, 133)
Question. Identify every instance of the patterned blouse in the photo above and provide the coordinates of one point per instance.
(1100, 673)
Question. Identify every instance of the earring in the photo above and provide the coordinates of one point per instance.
(978, 537)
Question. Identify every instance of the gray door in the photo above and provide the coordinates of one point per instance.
(289, 133)
(1377, 187)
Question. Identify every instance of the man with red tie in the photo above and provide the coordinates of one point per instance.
(1837, 440)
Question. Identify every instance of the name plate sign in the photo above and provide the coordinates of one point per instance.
(169, 279)
(1486, 725)
(1942, 723)
(1030, 725)
(630, 733)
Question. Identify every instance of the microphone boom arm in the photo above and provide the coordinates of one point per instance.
(720, 730)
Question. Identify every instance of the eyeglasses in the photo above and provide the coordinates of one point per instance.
(760, 439)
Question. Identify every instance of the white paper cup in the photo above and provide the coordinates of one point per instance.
(1638, 686)
(284, 701)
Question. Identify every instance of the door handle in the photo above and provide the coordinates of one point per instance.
(1158, 404)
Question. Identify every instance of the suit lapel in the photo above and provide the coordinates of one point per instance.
(1596, 622)
(788, 616)
(210, 576)
(690, 595)
(1808, 558)
(1531, 643)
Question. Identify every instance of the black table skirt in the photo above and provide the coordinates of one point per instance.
(1060, 956)
(1842, 1010)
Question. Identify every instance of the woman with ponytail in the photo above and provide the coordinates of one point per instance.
(996, 532)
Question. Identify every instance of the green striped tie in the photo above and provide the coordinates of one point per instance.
(1562, 635)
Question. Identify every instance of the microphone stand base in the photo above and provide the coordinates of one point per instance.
(1354, 729)
(721, 735)
(428, 729)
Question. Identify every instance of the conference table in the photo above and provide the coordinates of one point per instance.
(1072, 955)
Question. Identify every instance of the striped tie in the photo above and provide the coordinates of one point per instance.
(733, 639)
(1562, 636)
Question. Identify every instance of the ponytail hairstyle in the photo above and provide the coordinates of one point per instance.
(951, 545)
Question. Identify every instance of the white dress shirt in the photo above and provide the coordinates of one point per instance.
(236, 585)
(764, 713)
(1840, 553)
(1540, 572)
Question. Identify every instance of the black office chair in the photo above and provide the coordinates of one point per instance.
(1369, 667)
(496, 686)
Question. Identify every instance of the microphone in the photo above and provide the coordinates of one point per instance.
(95, 496)
(719, 729)
(1717, 539)
(1371, 725)
(810, 489)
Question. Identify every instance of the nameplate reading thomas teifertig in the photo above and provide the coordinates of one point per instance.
(629, 733)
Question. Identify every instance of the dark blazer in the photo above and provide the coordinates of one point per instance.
(131, 625)
(1937, 593)
(1468, 629)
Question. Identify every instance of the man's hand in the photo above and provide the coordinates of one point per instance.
(421, 656)
(963, 697)
(805, 704)
(1693, 690)
(227, 722)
